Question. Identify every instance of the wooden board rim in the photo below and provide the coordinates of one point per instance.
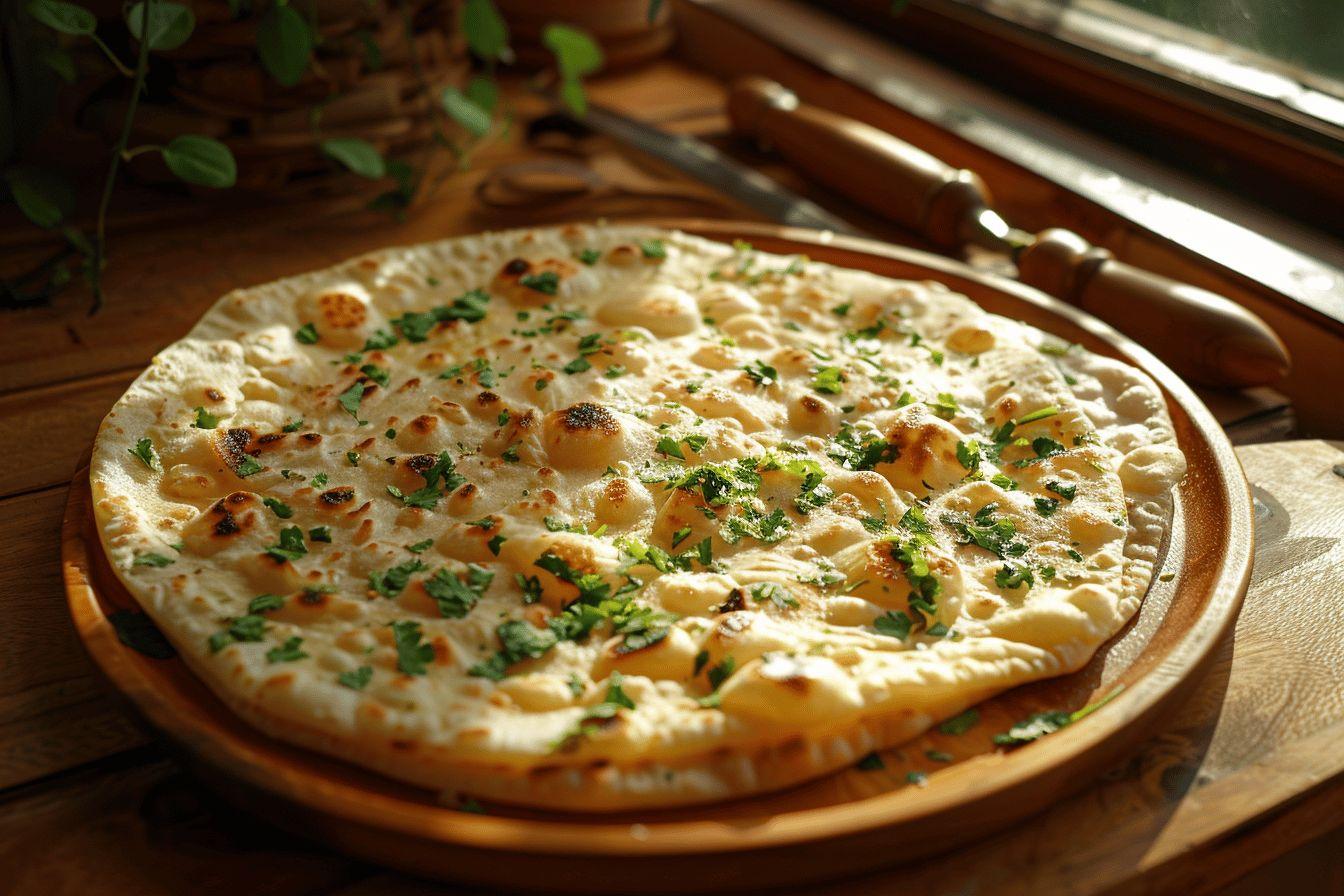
(1140, 702)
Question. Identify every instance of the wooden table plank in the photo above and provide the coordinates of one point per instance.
(55, 712)
(150, 831)
(51, 428)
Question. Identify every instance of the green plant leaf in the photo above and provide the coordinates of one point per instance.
(483, 92)
(201, 160)
(67, 18)
(487, 34)
(576, 53)
(373, 54)
(285, 44)
(59, 61)
(43, 198)
(170, 24)
(655, 7)
(463, 111)
(360, 156)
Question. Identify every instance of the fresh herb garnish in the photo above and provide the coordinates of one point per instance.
(1038, 725)
(893, 623)
(960, 723)
(349, 400)
(288, 652)
(412, 655)
(307, 334)
(761, 374)
(356, 679)
(547, 282)
(456, 596)
(278, 507)
(243, 628)
(392, 581)
(205, 419)
(264, 602)
(144, 451)
(291, 546)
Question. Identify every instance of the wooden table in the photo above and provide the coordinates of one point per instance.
(1251, 769)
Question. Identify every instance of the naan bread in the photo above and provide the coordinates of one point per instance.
(604, 517)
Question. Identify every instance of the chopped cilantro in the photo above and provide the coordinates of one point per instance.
(278, 507)
(960, 723)
(350, 399)
(653, 248)
(380, 339)
(152, 559)
(588, 256)
(828, 380)
(871, 763)
(412, 655)
(375, 373)
(761, 374)
(1068, 492)
(420, 546)
(291, 546)
(307, 334)
(720, 672)
(456, 596)
(776, 594)
(294, 425)
(944, 406)
(288, 652)
(416, 326)
(519, 640)
(391, 582)
(751, 523)
(855, 451)
(144, 450)
(248, 466)
(205, 419)
(243, 628)
(547, 282)
(1038, 725)
(263, 602)
(320, 533)
(1046, 506)
(893, 623)
(356, 679)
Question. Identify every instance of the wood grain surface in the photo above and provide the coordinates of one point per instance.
(1250, 769)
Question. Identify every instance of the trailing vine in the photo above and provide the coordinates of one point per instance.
(286, 43)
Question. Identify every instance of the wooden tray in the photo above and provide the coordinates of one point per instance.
(843, 824)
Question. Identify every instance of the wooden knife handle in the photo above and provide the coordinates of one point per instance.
(880, 172)
(1204, 337)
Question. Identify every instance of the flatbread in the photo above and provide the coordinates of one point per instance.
(606, 517)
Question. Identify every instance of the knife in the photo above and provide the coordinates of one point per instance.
(1204, 337)
(718, 170)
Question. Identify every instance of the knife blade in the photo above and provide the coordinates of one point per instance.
(716, 169)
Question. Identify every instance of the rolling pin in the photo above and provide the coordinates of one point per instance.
(1204, 337)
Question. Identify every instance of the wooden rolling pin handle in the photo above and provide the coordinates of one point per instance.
(1204, 337)
(883, 174)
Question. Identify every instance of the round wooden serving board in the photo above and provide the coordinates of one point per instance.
(842, 824)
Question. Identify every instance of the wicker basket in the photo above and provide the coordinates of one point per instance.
(377, 67)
